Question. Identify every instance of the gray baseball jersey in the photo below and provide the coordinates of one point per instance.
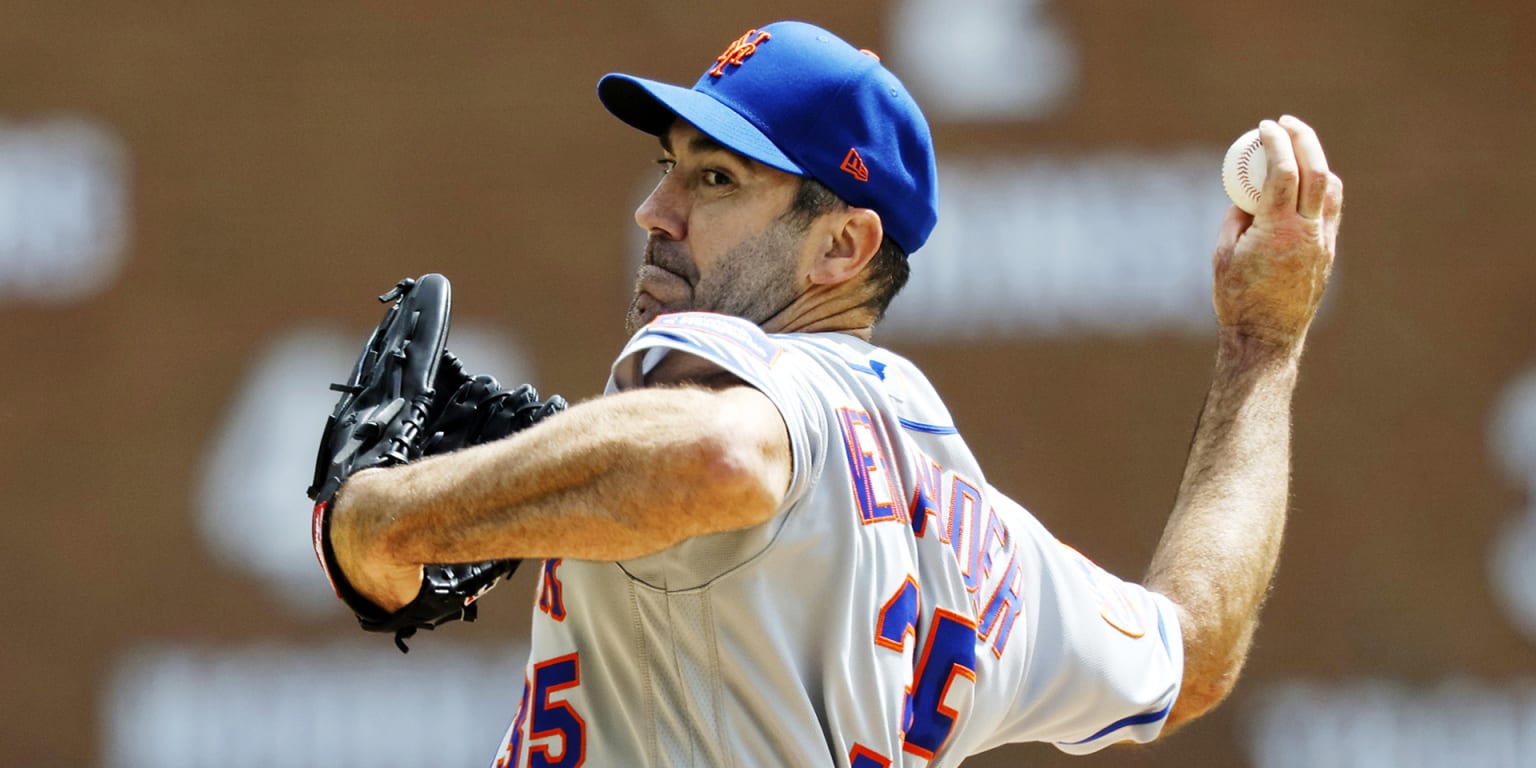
(896, 610)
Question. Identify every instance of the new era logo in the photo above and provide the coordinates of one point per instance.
(854, 165)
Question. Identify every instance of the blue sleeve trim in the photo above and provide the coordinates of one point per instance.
(1141, 719)
(863, 369)
(672, 336)
(1162, 633)
(932, 429)
(698, 349)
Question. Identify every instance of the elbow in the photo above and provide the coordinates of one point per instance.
(739, 485)
(744, 456)
(1198, 694)
(720, 463)
(1214, 655)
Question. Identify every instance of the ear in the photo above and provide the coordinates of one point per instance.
(853, 238)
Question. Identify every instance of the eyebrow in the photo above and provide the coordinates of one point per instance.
(701, 143)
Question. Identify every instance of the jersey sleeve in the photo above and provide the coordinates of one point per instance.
(742, 349)
(1105, 657)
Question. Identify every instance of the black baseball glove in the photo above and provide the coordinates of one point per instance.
(409, 397)
(471, 410)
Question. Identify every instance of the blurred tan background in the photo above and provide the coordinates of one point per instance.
(197, 201)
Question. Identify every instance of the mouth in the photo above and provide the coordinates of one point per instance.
(662, 285)
(657, 292)
(665, 283)
(669, 256)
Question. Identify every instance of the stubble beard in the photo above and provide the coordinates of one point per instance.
(754, 281)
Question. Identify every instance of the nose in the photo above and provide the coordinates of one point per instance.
(664, 212)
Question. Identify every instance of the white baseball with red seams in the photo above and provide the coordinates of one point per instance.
(1243, 171)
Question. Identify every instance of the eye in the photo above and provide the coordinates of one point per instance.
(666, 165)
(714, 178)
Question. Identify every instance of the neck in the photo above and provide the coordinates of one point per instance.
(823, 310)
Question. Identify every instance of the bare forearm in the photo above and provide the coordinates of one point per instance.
(1219, 549)
(577, 489)
(610, 479)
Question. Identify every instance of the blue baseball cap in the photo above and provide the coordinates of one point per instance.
(795, 97)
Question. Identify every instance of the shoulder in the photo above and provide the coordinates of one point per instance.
(694, 346)
(710, 330)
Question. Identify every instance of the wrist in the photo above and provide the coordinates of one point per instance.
(348, 526)
(358, 542)
(1246, 348)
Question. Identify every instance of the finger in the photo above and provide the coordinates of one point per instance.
(1279, 194)
(1333, 210)
(1232, 228)
(1312, 165)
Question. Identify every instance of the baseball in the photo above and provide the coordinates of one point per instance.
(1242, 172)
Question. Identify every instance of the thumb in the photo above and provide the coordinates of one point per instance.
(1232, 227)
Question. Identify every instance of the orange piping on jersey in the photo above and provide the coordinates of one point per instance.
(513, 747)
(954, 671)
(861, 751)
(911, 628)
(965, 531)
(552, 591)
(865, 461)
(925, 500)
(1007, 608)
(545, 705)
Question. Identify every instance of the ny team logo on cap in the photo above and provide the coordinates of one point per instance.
(737, 52)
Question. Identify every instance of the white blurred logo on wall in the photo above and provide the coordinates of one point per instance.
(252, 488)
(1456, 722)
(1512, 441)
(64, 209)
(353, 704)
(180, 706)
(982, 60)
(1107, 243)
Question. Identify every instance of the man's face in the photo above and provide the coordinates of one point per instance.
(718, 238)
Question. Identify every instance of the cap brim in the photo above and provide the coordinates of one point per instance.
(651, 106)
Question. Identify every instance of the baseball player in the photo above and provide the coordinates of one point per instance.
(768, 544)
